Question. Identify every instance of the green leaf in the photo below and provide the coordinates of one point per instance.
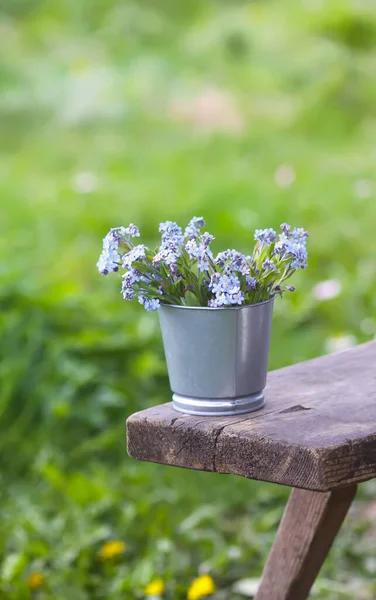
(142, 267)
(191, 299)
(13, 565)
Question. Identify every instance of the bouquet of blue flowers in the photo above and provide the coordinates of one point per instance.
(183, 271)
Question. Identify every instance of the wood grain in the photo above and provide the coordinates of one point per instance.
(317, 430)
(307, 530)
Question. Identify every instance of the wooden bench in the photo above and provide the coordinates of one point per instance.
(317, 434)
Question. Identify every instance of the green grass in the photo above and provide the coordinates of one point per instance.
(119, 91)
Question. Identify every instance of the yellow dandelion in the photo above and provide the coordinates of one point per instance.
(200, 587)
(35, 580)
(155, 588)
(111, 549)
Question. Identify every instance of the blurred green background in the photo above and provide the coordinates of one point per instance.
(247, 113)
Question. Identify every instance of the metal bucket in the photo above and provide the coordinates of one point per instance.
(217, 358)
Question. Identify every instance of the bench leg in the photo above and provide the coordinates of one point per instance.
(307, 530)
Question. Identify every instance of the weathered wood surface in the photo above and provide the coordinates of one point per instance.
(317, 430)
(309, 525)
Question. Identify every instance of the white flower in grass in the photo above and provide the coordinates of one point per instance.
(362, 189)
(340, 343)
(326, 290)
(284, 176)
(85, 183)
(368, 326)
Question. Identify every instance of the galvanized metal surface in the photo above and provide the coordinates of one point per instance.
(217, 358)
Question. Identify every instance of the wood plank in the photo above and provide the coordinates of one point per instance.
(307, 530)
(317, 430)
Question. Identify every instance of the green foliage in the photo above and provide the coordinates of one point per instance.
(182, 270)
(249, 113)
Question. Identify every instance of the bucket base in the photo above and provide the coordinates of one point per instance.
(218, 407)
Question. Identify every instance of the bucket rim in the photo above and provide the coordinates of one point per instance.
(222, 308)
